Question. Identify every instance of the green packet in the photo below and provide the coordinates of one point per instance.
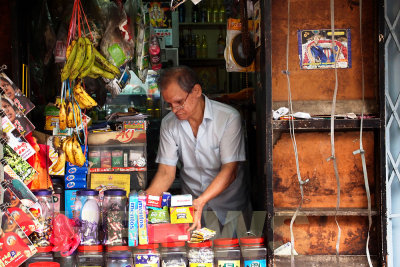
(159, 216)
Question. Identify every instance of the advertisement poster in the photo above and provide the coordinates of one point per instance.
(315, 49)
(160, 19)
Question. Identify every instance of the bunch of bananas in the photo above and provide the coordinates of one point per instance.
(69, 115)
(83, 60)
(83, 98)
(69, 150)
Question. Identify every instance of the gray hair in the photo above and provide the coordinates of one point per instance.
(184, 76)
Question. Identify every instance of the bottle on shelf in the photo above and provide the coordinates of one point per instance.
(186, 45)
(195, 14)
(203, 12)
(220, 45)
(204, 47)
(182, 13)
(181, 49)
(193, 47)
(209, 11)
(215, 12)
(199, 53)
(221, 14)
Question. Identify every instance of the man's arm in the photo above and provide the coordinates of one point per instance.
(163, 180)
(224, 178)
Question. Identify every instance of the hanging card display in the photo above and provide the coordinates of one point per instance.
(18, 165)
(10, 90)
(20, 121)
(316, 52)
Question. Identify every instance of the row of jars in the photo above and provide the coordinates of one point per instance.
(225, 252)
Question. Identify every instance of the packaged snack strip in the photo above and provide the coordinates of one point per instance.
(142, 221)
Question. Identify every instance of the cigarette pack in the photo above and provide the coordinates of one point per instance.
(182, 214)
(133, 238)
(142, 221)
(181, 200)
(153, 201)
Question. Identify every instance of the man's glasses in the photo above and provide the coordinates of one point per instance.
(179, 105)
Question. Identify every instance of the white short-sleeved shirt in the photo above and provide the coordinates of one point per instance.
(219, 141)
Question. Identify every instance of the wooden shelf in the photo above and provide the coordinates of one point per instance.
(324, 212)
(201, 25)
(325, 260)
(325, 124)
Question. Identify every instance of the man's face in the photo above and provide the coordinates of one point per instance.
(8, 110)
(8, 89)
(180, 101)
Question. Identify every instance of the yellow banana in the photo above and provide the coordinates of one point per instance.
(80, 101)
(89, 59)
(65, 73)
(56, 142)
(69, 49)
(77, 114)
(93, 76)
(96, 70)
(60, 162)
(79, 157)
(79, 58)
(68, 150)
(105, 63)
(62, 117)
(64, 148)
(70, 115)
(86, 101)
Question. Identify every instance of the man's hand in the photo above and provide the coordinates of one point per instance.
(198, 205)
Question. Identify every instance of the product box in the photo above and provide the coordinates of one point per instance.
(181, 200)
(76, 185)
(133, 238)
(72, 169)
(159, 215)
(94, 158)
(167, 232)
(153, 201)
(116, 180)
(80, 177)
(181, 214)
(105, 159)
(142, 221)
(70, 196)
(166, 200)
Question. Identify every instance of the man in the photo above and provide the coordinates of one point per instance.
(206, 137)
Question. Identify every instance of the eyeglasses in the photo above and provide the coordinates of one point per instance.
(180, 105)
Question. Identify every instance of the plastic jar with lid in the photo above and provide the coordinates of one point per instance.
(201, 254)
(69, 261)
(227, 252)
(44, 263)
(90, 256)
(43, 254)
(87, 216)
(45, 217)
(114, 217)
(119, 259)
(147, 255)
(254, 252)
(173, 254)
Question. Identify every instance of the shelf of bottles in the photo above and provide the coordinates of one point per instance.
(202, 30)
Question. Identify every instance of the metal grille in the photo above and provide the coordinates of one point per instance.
(392, 95)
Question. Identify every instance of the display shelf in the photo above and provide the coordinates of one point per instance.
(324, 212)
(324, 260)
(201, 25)
(325, 124)
(118, 169)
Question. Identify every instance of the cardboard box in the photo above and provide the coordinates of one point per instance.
(70, 196)
(181, 214)
(119, 180)
(167, 232)
(75, 178)
(76, 185)
(181, 200)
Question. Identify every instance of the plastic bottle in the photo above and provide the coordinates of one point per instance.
(155, 53)
(254, 252)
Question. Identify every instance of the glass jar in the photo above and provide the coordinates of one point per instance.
(119, 259)
(173, 254)
(90, 256)
(44, 212)
(254, 252)
(116, 249)
(43, 254)
(227, 252)
(58, 196)
(69, 261)
(114, 217)
(147, 255)
(87, 216)
(201, 254)
(44, 263)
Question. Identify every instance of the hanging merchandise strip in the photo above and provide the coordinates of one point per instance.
(361, 150)
(333, 157)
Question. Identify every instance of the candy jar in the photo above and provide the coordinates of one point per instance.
(87, 216)
(114, 217)
(44, 212)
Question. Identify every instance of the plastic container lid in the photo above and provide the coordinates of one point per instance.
(41, 192)
(87, 192)
(226, 242)
(115, 192)
(252, 241)
(117, 248)
(44, 249)
(204, 244)
(173, 244)
(96, 248)
(120, 255)
(44, 263)
(149, 246)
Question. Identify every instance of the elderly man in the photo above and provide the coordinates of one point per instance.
(206, 138)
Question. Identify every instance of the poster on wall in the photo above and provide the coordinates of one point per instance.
(315, 49)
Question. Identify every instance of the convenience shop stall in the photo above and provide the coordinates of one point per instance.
(274, 160)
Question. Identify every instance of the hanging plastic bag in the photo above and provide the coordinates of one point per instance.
(64, 238)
